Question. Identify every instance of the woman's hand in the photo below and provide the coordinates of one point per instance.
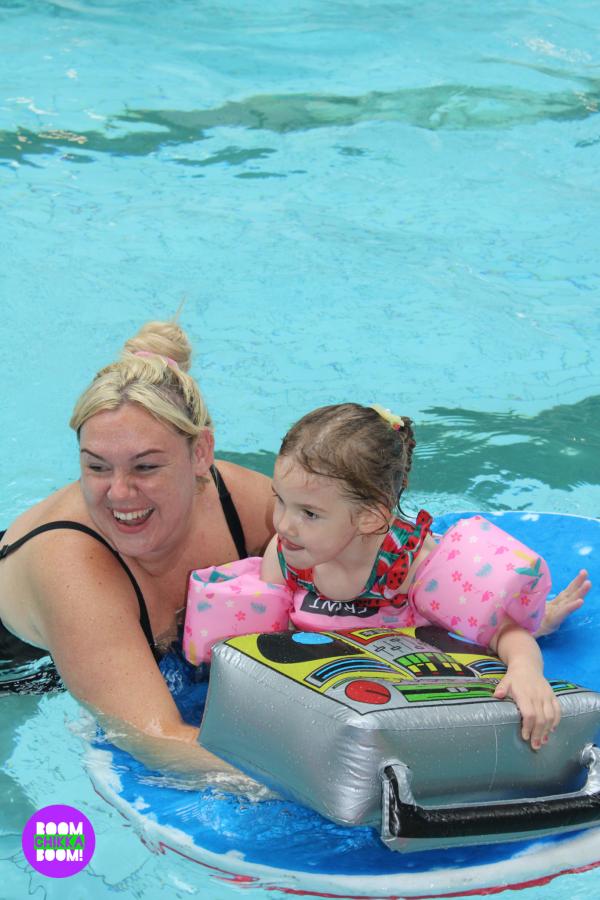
(525, 684)
(180, 759)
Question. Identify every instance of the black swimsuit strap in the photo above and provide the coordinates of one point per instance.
(231, 517)
(77, 526)
(231, 514)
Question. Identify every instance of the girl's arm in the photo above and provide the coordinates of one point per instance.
(524, 683)
(270, 569)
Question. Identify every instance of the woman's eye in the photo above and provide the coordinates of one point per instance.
(96, 467)
(146, 467)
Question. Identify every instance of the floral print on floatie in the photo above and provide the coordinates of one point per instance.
(228, 600)
(476, 577)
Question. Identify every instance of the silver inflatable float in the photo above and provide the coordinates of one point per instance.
(399, 729)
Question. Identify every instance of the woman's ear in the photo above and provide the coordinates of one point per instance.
(203, 452)
(373, 520)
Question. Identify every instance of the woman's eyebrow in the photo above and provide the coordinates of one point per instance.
(90, 452)
(147, 452)
(137, 455)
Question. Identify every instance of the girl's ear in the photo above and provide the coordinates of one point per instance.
(203, 452)
(373, 520)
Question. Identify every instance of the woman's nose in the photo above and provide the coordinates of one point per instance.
(120, 486)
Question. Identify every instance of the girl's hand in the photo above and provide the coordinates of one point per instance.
(524, 683)
(564, 604)
(535, 699)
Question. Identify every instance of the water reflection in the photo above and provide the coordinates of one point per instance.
(141, 132)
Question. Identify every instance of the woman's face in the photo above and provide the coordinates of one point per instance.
(138, 478)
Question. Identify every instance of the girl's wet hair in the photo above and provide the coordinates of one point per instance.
(355, 445)
(153, 373)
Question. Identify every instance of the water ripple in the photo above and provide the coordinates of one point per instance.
(450, 107)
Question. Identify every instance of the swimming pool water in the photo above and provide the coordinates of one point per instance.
(391, 202)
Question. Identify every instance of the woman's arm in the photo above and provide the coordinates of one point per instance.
(270, 569)
(187, 763)
(524, 682)
(88, 618)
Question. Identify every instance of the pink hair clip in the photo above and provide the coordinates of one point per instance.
(166, 359)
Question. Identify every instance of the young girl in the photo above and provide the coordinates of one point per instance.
(350, 558)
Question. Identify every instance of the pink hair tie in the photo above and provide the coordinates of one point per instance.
(166, 359)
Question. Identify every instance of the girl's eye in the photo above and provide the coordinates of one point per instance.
(310, 514)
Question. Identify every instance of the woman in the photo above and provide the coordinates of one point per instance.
(96, 574)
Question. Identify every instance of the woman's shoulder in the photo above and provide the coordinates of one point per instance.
(53, 542)
(58, 572)
(63, 504)
(52, 539)
(253, 498)
(235, 474)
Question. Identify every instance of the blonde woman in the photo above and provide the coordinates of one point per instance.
(95, 575)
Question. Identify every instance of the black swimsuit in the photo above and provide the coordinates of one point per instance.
(18, 672)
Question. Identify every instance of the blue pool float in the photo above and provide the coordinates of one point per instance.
(281, 845)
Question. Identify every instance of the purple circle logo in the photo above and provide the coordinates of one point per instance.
(58, 841)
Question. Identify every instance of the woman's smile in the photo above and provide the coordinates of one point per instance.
(132, 520)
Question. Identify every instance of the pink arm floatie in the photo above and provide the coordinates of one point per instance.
(228, 600)
(476, 577)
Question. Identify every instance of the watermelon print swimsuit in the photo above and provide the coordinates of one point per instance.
(380, 603)
(474, 578)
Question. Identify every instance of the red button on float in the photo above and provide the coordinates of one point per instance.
(368, 692)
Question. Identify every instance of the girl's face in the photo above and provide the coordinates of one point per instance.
(138, 479)
(315, 522)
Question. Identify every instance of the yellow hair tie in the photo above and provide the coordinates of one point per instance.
(397, 422)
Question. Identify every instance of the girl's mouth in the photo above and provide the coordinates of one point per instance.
(287, 545)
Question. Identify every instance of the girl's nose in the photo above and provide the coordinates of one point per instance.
(284, 523)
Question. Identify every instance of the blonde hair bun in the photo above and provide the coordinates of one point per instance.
(152, 372)
(166, 339)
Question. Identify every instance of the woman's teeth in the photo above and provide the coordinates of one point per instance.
(131, 516)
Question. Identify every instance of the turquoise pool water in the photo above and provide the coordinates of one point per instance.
(382, 201)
